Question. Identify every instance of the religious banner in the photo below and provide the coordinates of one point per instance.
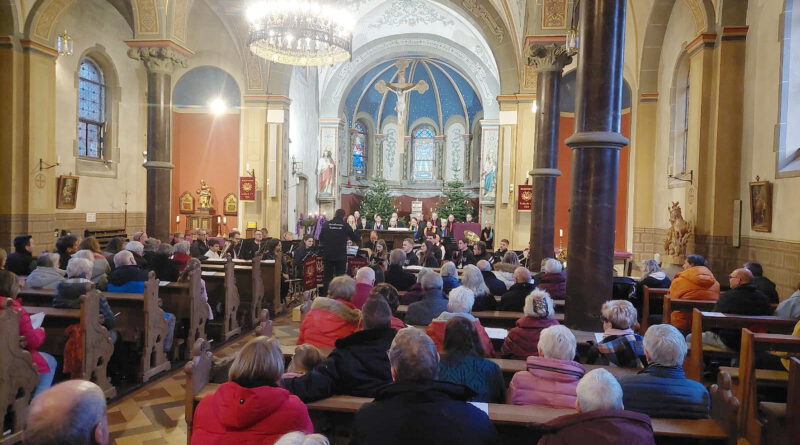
(310, 272)
(524, 197)
(320, 270)
(247, 188)
(355, 263)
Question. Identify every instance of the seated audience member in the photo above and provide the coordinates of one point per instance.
(487, 235)
(472, 278)
(298, 438)
(213, 250)
(459, 304)
(68, 292)
(140, 237)
(479, 253)
(199, 246)
(186, 276)
(303, 251)
(789, 308)
(46, 275)
(137, 249)
(358, 365)
(785, 357)
(411, 257)
(306, 357)
(662, 389)
(427, 255)
(553, 280)
(365, 279)
(390, 295)
(100, 267)
(620, 345)
(463, 255)
(20, 261)
(449, 275)
(395, 275)
(500, 255)
(66, 246)
(522, 339)
(654, 278)
(415, 293)
(463, 362)
(379, 252)
(272, 250)
(33, 338)
(552, 376)
(514, 299)
(70, 413)
(126, 276)
(495, 285)
(417, 408)
(694, 282)
(331, 318)
(601, 418)
(432, 304)
(112, 248)
(251, 407)
(163, 265)
(508, 263)
(150, 247)
(761, 282)
(233, 245)
(181, 255)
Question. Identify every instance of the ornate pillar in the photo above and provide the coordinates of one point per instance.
(160, 63)
(467, 157)
(549, 62)
(408, 157)
(596, 144)
(378, 153)
(440, 157)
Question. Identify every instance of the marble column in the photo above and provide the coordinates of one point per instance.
(596, 144)
(160, 63)
(549, 62)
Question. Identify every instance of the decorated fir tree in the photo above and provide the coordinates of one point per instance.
(454, 201)
(377, 200)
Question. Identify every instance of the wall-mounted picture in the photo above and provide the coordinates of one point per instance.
(186, 202)
(231, 205)
(761, 206)
(67, 192)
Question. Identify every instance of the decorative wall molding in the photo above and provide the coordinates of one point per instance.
(486, 17)
(411, 13)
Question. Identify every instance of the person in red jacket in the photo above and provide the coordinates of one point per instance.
(333, 317)
(33, 338)
(553, 280)
(251, 409)
(523, 339)
(459, 304)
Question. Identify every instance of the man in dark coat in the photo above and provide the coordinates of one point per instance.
(395, 275)
(762, 283)
(416, 408)
(432, 303)
(200, 245)
(21, 260)
(495, 285)
(333, 240)
(514, 299)
(408, 249)
(743, 299)
(359, 364)
(463, 255)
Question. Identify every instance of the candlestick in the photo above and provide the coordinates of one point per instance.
(178, 219)
(561, 233)
(224, 220)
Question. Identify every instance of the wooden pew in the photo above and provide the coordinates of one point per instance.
(704, 321)
(725, 407)
(186, 301)
(229, 325)
(675, 304)
(198, 373)
(258, 282)
(509, 366)
(154, 359)
(491, 318)
(650, 296)
(782, 420)
(18, 375)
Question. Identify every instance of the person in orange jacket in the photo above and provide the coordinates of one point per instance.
(695, 282)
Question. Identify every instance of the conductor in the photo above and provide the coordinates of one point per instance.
(333, 241)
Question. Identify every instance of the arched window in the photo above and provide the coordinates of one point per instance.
(91, 110)
(423, 153)
(359, 149)
(680, 121)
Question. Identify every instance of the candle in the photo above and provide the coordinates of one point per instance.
(178, 219)
(561, 233)
(224, 220)
(247, 167)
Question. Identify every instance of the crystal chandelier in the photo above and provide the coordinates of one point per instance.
(300, 32)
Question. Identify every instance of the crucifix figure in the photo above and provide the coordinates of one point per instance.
(402, 89)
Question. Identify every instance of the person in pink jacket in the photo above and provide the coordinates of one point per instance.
(552, 377)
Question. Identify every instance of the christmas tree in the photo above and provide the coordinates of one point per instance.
(455, 202)
(378, 201)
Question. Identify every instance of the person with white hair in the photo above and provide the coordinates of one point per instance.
(365, 280)
(68, 292)
(127, 276)
(432, 304)
(415, 293)
(601, 418)
(137, 249)
(553, 279)
(459, 304)
(449, 275)
(496, 286)
(70, 413)
(100, 268)
(47, 275)
(417, 408)
(300, 438)
(472, 278)
(181, 255)
(662, 389)
(521, 341)
(620, 345)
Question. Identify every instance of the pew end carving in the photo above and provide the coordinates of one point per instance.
(18, 375)
(154, 358)
(198, 373)
(96, 343)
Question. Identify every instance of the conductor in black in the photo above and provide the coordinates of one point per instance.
(333, 241)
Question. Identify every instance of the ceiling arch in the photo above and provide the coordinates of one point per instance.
(39, 25)
(8, 18)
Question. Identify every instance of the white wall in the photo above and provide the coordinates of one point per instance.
(304, 136)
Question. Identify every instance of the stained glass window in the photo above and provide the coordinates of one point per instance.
(359, 149)
(423, 153)
(91, 110)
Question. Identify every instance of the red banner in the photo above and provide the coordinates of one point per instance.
(247, 188)
(524, 197)
(310, 272)
(355, 263)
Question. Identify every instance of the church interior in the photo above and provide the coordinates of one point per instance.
(619, 140)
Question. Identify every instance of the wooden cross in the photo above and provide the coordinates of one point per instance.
(402, 89)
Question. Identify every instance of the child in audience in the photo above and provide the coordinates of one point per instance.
(213, 249)
(306, 357)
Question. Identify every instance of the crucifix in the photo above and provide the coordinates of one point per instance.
(402, 89)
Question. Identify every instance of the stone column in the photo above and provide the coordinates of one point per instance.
(440, 157)
(549, 62)
(596, 144)
(378, 153)
(160, 63)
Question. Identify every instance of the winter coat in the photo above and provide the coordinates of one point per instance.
(198, 248)
(479, 374)
(484, 302)
(495, 285)
(664, 391)
(45, 278)
(694, 283)
(426, 413)
(656, 280)
(422, 312)
(328, 320)
(361, 295)
(546, 382)
(514, 299)
(358, 366)
(411, 259)
(333, 240)
(234, 414)
(449, 283)
(412, 295)
(125, 274)
(600, 427)
(68, 294)
(399, 278)
(181, 259)
(20, 262)
(33, 337)
(166, 269)
(744, 299)
(522, 341)
(766, 286)
(789, 308)
(622, 348)
(504, 267)
(437, 327)
(555, 284)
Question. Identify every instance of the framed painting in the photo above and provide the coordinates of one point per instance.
(231, 207)
(186, 202)
(761, 206)
(67, 192)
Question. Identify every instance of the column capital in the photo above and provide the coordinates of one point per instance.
(159, 60)
(553, 57)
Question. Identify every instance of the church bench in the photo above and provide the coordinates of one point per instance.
(18, 376)
(559, 304)
(186, 301)
(490, 318)
(221, 288)
(509, 366)
(767, 377)
(649, 297)
(676, 304)
(258, 282)
(36, 296)
(782, 420)
(103, 236)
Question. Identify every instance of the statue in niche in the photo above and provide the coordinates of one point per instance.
(204, 198)
(678, 233)
(327, 172)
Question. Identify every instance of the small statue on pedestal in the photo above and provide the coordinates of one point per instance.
(678, 234)
(204, 198)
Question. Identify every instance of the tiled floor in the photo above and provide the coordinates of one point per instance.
(154, 414)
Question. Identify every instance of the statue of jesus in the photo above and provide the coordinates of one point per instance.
(402, 90)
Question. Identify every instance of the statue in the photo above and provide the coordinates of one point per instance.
(204, 198)
(402, 89)
(678, 233)
(327, 172)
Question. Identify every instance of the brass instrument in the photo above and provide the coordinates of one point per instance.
(471, 236)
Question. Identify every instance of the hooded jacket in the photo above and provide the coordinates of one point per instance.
(449, 283)
(694, 283)
(600, 427)
(45, 278)
(656, 280)
(33, 337)
(234, 414)
(546, 382)
(495, 285)
(523, 340)
(437, 327)
(555, 284)
(422, 312)
(664, 391)
(514, 299)
(328, 320)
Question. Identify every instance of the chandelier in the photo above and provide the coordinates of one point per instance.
(300, 32)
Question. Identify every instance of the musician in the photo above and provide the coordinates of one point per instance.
(373, 238)
(468, 218)
(357, 217)
(303, 251)
(408, 249)
(501, 252)
(380, 252)
(397, 219)
(233, 245)
(463, 255)
(253, 247)
(480, 253)
(440, 248)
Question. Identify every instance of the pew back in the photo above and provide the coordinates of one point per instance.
(18, 375)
